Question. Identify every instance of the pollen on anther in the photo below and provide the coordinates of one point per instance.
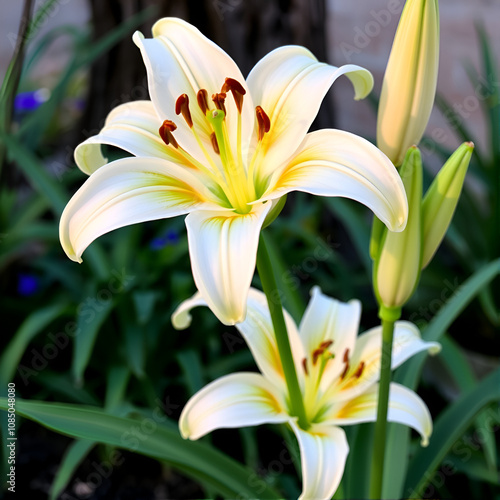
(230, 84)
(263, 122)
(304, 365)
(165, 131)
(219, 101)
(202, 98)
(326, 344)
(360, 369)
(182, 106)
(346, 356)
(214, 142)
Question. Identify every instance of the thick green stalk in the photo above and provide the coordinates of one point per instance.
(268, 280)
(388, 317)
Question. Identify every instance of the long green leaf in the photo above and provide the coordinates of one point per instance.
(195, 459)
(91, 317)
(449, 427)
(35, 323)
(74, 456)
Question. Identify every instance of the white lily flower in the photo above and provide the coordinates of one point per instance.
(338, 373)
(227, 160)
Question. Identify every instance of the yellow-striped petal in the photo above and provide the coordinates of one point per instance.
(223, 250)
(323, 453)
(236, 400)
(289, 84)
(337, 163)
(126, 192)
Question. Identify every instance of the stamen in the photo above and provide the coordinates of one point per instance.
(263, 122)
(202, 98)
(360, 369)
(215, 145)
(219, 101)
(165, 132)
(346, 356)
(236, 89)
(326, 344)
(182, 106)
(347, 366)
(316, 354)
(304, 365)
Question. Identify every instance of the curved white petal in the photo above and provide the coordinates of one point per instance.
(327, 319)
(406, 343)
(236, 400)
(181, 60)
(223, 250)
(405, 407)
(257, 330)
(323, 453)
(126, 192)
(132, 127)
(337, 163)
(290, 84)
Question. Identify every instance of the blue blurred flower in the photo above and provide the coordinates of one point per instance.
(171, 237)
(29, 101)
(27, 284)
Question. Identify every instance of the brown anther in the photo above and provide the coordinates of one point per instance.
(360, 369)
(165, 132)
(344, 373)
(215, 144)
(236, 89)
(326, 344)
(263, 122)
(346, 356)
(182, 106)
(202, 98)
(304, 365)
(316, 354)
(219, 101)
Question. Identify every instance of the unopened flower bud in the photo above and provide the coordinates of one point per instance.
(397, 265)
(441, 200)
(409, 85)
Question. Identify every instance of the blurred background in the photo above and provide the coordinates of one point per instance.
(79, 64)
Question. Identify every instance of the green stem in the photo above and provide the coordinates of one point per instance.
(388, 317)
(268, 280)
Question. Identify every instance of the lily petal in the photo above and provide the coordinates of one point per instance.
(257, 330)
(327, 319)
(126, 192)
(289, 84)
(223, 250)
(407, 342)
(323, 453)
(181, 60)
(337, 163)
(132, 127)
(405, 407)
(236, 400)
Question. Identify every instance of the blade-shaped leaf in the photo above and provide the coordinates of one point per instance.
(195, 459)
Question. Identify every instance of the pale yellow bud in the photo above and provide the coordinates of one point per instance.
(409, 85)
(397, 265)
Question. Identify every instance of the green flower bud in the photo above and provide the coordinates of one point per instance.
(441, 200)
(397, 265)
(409, 85)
